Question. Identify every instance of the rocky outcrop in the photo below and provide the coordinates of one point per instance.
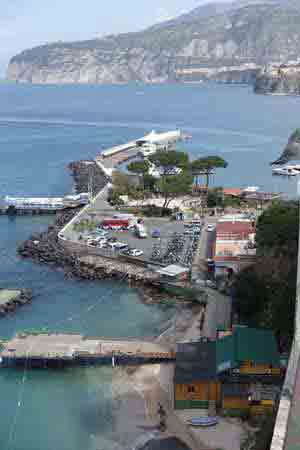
(243, 32)
(270, 83)
(21, 297)
(291, 151)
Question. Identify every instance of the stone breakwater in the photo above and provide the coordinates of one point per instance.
(87, 173)
(45, 248)
(14, 300)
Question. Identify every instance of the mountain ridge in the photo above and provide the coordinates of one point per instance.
(213, 36)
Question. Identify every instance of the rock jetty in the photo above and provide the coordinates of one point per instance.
(11, 299)
(45, 248)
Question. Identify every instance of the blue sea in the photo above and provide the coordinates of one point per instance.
(42, 129)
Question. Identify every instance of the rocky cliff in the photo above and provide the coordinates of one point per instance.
(292, 149)
(270, 83)
(212, 36)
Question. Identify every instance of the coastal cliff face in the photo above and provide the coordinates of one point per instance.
(268, 83)
(226, 38)
(292, 149)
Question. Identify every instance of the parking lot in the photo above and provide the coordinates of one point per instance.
(167, 249)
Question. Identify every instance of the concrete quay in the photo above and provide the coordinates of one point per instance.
(60, 350)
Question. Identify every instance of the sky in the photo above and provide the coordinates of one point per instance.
(26, 23)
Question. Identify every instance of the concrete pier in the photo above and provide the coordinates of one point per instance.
(59, 350)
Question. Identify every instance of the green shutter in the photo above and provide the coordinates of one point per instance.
(191, 404)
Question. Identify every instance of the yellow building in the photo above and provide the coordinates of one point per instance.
(196, 381)
(240, 371)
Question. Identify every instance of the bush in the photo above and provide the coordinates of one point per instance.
(156, 211)
(237, 413)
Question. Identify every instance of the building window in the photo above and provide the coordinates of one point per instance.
(191, 389)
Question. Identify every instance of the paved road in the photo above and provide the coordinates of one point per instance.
(218, 312)
(204, 251)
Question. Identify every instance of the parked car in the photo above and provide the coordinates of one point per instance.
(101, 232)
(155, 233)
(210, 262)
(116, 228)
(103, 244)
(210, 227)
(117, 245)
(112, 239)
(135, 252)
(141, 231)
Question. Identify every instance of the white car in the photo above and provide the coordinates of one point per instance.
(210, 227)
(117, 245)
(135, 252)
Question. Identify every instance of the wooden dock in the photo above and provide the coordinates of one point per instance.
(60, 350)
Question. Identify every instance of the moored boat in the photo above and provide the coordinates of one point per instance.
(203, 421)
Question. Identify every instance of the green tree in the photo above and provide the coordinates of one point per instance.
(140, 167)
(121, 182)
(174, 185)
(277, 229)
(206, 166)
(214, 198)
(265, 292)
(171, 158)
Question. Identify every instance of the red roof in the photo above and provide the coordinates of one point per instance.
(234, 230)
(234, 192)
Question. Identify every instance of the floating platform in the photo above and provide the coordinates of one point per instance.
(63, 350)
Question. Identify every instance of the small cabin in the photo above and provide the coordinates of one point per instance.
(249, 352)
(248, 364)
(241, 371)
(196, 382)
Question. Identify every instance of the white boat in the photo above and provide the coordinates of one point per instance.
(203, 421)
(288, 170)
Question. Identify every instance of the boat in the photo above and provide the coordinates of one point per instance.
(203, 421)
(287, 170)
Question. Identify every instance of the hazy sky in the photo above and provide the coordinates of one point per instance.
(26, 23)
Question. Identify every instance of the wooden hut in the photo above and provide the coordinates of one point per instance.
(238, 372)
(196, 382)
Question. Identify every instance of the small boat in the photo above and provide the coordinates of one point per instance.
(288, 170)
(203, 421)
